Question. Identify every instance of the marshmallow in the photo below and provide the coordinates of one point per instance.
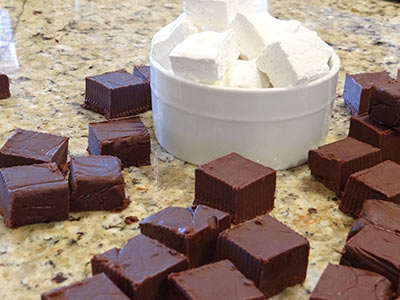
(215, 14)
(291, 62)
(168, 37)
(254, 32)
(315, 41)
(245, 74)
(205, 56)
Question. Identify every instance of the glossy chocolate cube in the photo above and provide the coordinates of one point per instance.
(236, 185)
(332, 164)
(4, 86)
(266, 252)
(126, 138)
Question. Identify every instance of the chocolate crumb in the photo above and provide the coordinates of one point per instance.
(312, 210)
(59, 278)
(131, 219)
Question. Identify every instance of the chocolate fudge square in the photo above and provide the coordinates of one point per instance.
(126, 138)
(380, 213)
(332, 164)
(220, 280)
(140, 268)
(33, 194)
(374, 249)
(364, 129)
(26, 147)
(385, 104)
(117, 94)
(142, 72)
(357, 89)
(98, 287)
(191, 231)
(236, 185)
(342, 282)
(398, 75)
(96, 183)
(267, 252)
(4, 86)
(379, 182)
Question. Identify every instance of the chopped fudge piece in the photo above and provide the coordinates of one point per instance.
(366, 130)
(26, 147)
(219, 280)
(379, 182)
(342, 282)
(236, 185)
(140, 268)
(385, 104)
(33, 194)
(4, 86)
(357, 89)
(191, 231)
(267, 252)
(376, 250)
(142, 72)
(98, 287)
(332, 164)
(398, 75)
(96, 183)
(126, 138)
(117, 94)
(379, 213)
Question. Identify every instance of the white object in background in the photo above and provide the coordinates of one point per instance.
(205, 56)
(254, 32)
(215, 14)
(168, 37)
(291, 62)
(245, 74)
(8, 54)
(276, 127)
(315, 41)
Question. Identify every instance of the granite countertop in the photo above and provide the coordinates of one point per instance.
(49, 47)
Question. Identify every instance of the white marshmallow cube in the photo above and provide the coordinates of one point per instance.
(205, 56)
(245, 74)
(254, 32)
(315, 41)
(215, 14)
(291, 62)
(169, 36)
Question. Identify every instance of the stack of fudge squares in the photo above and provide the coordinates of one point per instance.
(224, 246)
(33, 166)
(363, 170)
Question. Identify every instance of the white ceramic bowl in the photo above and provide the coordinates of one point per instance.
(275, 127)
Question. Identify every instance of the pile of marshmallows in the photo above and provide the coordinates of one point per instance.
(228, 43)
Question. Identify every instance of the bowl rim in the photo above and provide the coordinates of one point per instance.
(334, 70)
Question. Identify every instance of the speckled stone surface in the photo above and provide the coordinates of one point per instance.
(52, 45)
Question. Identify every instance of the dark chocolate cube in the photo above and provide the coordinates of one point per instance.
(379, 182)
(140, 268)
(126, 138)
(342, 282)
(385, 104)
(267, 252)
(191, 231)
(398, 75)
(236, 185)
(357, 90)
(96, 183)
(219, 280)
(117, 94)
(332, 164)
(33, 194)
(366, 130)
(98, 287)
(26, 147)
(383, 214)
(4, 86)
(376, 250)
(144, 73)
